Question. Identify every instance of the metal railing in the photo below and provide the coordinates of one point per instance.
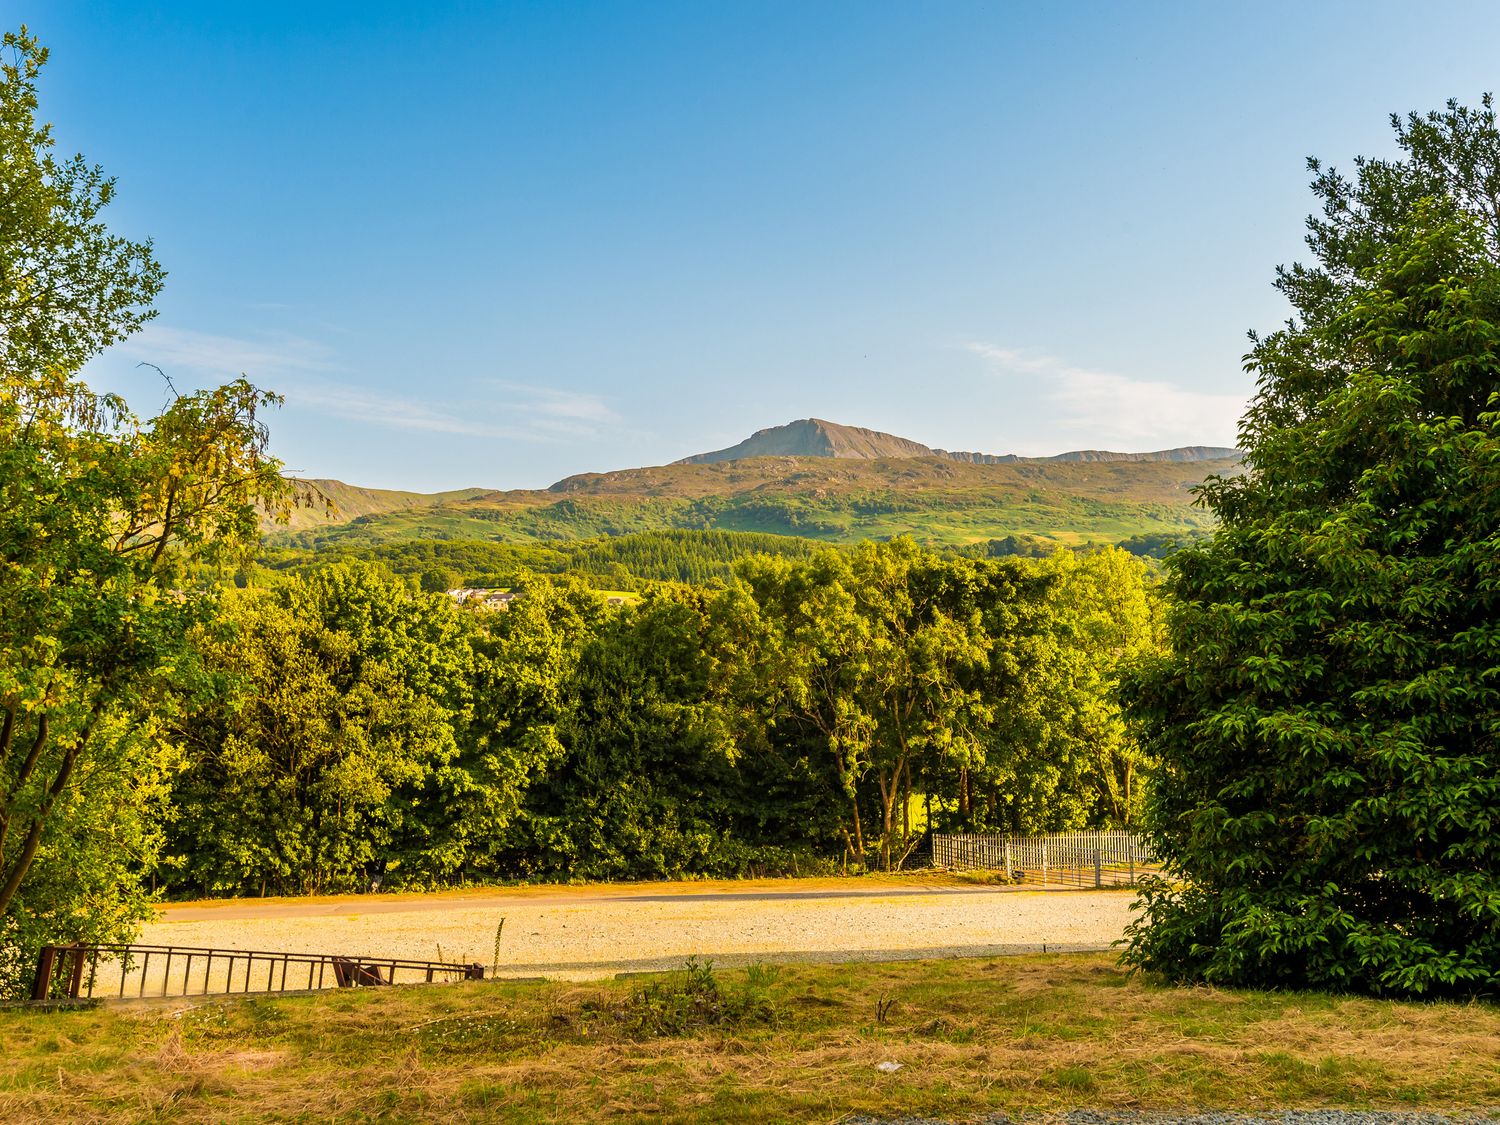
(134, 971)
(1063, 859)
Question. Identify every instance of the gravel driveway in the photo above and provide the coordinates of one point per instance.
(581, 933)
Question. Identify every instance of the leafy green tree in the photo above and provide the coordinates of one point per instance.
(1327, 721)
(644, 786)
(438, 579)
(523, 700)
(103, 521)
(880, 651)
(68, 288)
(809, 655)
(327, 750)
(1059, 756)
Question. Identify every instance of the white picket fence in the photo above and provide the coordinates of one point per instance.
(1067, 859)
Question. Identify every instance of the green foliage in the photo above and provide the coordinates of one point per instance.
(1060, 756)
(68, 288)
(835, 704)
(105, 522)
(645, 783)
(1026, 546)
(1328, 718)
(437, 580)
(524, 699)
(1158, 545)
(328, 751)
(624, 562)
(878, 652)
(695, 1000)
(982, 688)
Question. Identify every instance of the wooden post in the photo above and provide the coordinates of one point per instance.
(75, 978)
(46, 962)
(1044, 861)
(1098, 860)
(1010, 866)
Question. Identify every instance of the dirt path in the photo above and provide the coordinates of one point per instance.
(582, 932)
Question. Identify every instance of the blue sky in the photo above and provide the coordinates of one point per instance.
(499, 244)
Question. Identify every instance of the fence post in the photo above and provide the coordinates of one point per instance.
(75, 978)
(1044, 861)
(1098, 860)
(46, 963)
(1010, 867)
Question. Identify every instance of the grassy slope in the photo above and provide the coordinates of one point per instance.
(1033, 1033)
(349, 501)
(937, 501)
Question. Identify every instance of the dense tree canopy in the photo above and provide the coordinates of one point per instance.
(347, 724)
(101, 518)
(325, 750)
(1328, 719)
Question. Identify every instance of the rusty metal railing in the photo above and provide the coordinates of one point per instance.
(134, 971)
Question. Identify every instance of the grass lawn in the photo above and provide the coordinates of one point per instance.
(797, 1043)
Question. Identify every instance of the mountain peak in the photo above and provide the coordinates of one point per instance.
(815, 437)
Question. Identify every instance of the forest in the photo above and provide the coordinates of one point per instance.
(343, 725)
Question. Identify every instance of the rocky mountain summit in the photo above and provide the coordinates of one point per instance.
(815, 437)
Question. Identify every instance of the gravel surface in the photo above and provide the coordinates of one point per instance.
(571, 933)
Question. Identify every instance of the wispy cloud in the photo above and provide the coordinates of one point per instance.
(1111, 408)
(360, 404)
(218, 356)
(305, 372)
(521, 413)
(551, 409)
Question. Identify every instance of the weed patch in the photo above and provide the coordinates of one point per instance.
(694, 1000)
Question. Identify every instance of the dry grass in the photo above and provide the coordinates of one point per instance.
(799, 1043)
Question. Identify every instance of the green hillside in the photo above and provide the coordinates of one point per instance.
(937, 501)
(325, 503)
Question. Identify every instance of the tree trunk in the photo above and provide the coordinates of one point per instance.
(906, 808)
(859, 832)
(889, 787)
(22, 865)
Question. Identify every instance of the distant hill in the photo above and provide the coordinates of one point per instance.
(324, 502)
(1182, 453)
(815, 437)
(811, 479)
(934, 499)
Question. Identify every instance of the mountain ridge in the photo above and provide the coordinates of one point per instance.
(833, 483)
(817, 437)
